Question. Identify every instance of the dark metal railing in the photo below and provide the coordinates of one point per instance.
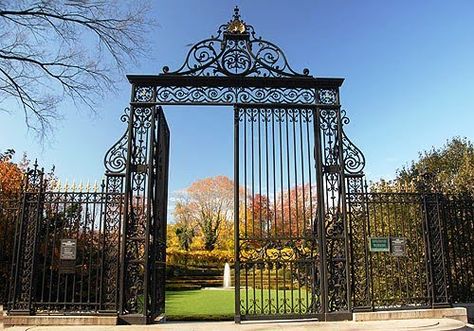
(459, 222)
(9, 209)
(277, 267)
(48, 276)
(428, 260)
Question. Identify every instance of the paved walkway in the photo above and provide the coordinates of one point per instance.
(412, 325)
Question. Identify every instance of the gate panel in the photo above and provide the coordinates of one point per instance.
(66, 243)
(459, 222)
(144, 232)
(277, 252)
(159, 205)
(386, 279)
(70, 283)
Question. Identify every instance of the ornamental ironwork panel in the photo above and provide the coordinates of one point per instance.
(232, 95)
(331, 161)
(458, 216)
(23, 285)
(436, 249)
(359, 231)
(236, 51)
(277, 253)
(388, 280)
(142, 267)
(46, 278)
(113, 220)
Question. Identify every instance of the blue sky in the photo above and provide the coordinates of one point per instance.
(408, 69)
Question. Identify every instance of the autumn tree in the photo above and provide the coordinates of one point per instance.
(11, 174)
(211, 200)
(260, 216)
(52, 51)
(448, 169)
(296, 210)
(184, 227)
(11, 181)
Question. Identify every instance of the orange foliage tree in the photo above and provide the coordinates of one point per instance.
(11, 180)
(11, 175)
(289, 213)
(210, 203)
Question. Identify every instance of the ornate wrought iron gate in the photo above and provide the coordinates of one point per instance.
(309, 255)
(101, 249)
(278, 265)
(303, 216)
(143, 155)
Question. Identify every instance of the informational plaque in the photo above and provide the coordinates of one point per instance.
(67, 256)
(68, 249)
(398, 246)
(379, 244)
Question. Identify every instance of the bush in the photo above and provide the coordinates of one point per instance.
(199, 258)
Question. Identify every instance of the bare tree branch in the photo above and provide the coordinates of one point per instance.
(52, 51)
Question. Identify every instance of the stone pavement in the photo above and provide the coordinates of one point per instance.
(412, 325)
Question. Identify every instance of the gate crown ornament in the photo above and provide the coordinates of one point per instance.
(236, 25)
(236, 51)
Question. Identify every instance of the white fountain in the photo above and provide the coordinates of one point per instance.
(226, 283)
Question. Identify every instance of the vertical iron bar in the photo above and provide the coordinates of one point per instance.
(236, 215)
(321, 210)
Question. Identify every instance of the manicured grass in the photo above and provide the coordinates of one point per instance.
(200, 305)
(218, 304)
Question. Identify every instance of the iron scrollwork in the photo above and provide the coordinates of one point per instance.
(236, 51)
(354, 159)
(232, 95)
(116, 157)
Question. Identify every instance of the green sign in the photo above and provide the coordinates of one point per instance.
(379, 244)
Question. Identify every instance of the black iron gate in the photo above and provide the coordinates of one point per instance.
(410, 269)
(98, 249)
(278, 265)
(303, 218)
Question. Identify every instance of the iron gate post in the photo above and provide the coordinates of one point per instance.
(144, 225)
(22, 291)
(320, 221)
(332, 210)
(237, 317)
(343, 206)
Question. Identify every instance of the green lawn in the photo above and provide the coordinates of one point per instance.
(200, 305)
(218, 304)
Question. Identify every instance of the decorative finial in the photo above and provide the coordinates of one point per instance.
(236, 13)
(236, 25)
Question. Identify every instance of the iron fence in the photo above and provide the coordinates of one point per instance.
(65, 249)
(9, 209)
(459, 216)
(427, 261)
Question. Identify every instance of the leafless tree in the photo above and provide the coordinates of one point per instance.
(55, 50)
